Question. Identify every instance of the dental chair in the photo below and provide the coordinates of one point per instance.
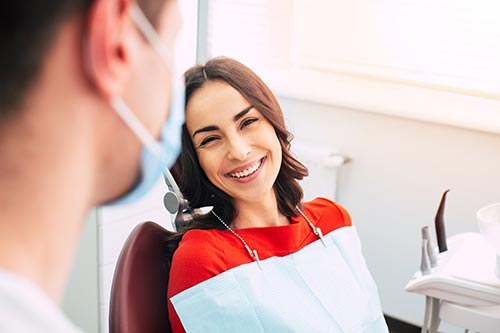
(138, 301)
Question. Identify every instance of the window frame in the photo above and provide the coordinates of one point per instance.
(430, 101)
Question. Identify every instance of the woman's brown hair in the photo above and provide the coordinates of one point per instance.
(194, 183)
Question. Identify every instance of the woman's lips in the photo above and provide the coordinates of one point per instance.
(247, 171)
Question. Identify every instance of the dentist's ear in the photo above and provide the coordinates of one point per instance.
(108, 45)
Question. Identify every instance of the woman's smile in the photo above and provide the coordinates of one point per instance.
(247, 173)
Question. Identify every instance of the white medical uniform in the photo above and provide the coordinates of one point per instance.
(24, 307)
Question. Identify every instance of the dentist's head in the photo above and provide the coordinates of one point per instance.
(89, 114)
(114, 58)
(154, 87)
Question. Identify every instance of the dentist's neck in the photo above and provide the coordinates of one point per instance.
(46, 172)
(41, 217)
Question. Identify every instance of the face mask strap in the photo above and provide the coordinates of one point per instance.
(136, 126)
(149, 33)
(118, 104)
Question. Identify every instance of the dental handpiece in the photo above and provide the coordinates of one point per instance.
(439, 221)
(431, 249)
(425, 265)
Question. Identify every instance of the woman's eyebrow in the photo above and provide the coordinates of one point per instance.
(206, 129)
(210, 128)
(242, 113)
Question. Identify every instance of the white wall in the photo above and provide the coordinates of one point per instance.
(394, 182)
(80, 302)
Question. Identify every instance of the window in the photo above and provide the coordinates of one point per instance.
(433, 60)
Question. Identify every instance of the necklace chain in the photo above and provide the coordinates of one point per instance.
(253, 253)
(317, 230)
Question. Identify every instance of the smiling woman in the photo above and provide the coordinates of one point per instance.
(261, 260)
(229, 107)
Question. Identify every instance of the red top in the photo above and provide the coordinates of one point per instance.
(203, 254)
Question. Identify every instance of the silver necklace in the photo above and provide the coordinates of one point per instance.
(253, 253)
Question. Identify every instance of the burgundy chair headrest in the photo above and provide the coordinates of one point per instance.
(139, 290)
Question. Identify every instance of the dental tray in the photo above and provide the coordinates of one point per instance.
(464, 274)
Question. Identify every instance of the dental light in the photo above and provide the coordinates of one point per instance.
(488, 220)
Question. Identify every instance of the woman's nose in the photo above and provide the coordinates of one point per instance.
(238, 148)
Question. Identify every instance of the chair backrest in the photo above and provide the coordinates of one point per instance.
(139, 290)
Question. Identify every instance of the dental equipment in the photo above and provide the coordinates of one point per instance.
(431, 249)
(428, 261)
(439, 221)
(425, 264)
(463, 288)
(175, 203)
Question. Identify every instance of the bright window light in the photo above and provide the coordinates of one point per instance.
(434, 60)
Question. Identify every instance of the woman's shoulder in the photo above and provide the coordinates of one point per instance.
(198, 258)
(327, 211)
(199, 245)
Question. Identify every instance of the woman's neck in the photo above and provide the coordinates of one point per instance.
(260, 213)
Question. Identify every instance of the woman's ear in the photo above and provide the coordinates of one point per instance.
(107, 45)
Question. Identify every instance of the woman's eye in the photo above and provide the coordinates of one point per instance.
(249, 121)
(207, 140)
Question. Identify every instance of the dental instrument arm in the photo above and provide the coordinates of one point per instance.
(175, 203)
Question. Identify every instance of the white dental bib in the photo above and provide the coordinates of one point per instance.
(320, 288)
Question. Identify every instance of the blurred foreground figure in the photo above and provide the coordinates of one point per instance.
(85, 95)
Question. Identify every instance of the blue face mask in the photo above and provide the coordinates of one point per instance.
(157, 156)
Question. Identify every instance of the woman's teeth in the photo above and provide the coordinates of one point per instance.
(246, 172)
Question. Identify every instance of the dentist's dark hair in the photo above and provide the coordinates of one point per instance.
(27, 31)
(194, 183)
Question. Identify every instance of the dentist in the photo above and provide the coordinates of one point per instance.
(89, 115)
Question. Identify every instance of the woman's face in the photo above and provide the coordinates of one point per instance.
(237, 147)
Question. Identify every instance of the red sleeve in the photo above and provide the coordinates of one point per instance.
(197, 259)
(330, 215)
(345, 215)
